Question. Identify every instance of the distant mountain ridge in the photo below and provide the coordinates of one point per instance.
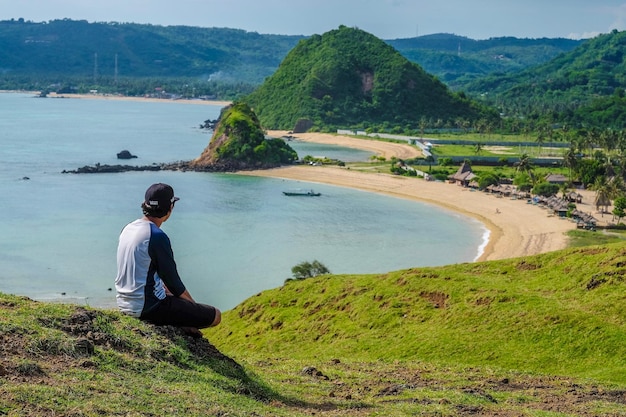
(77, 48)
(567, 84)
(457, 60)
(542, 81)
(70, 48)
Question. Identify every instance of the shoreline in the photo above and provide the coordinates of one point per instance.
(386, 185)
(515, 228)
(123, 98)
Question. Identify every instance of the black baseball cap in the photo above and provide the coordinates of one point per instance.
(160, 197)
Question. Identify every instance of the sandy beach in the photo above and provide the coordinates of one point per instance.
(516, 227)
(142, 99)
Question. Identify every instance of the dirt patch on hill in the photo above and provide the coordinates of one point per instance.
(470, 393)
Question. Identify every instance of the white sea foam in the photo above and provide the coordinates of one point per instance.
(483, 245)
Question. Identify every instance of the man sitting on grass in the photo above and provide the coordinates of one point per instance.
(148, 285)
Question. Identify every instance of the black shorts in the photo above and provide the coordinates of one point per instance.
(175, 311)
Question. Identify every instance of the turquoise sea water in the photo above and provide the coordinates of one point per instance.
(233, 235)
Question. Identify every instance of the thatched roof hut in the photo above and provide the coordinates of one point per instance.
(463, 175)
(574, 197)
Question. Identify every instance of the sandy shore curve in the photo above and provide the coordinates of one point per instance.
(516, 228)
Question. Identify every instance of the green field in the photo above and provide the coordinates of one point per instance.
(533, 336)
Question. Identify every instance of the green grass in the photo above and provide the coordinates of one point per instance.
(441, 151)
(533, 336)
(578, 238)
(483, 137)
(515, 314)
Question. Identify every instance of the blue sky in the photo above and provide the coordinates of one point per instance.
(386, 19)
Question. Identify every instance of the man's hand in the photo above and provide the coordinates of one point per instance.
(187, 296)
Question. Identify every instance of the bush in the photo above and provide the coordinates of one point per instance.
(309, 270)
(445, 162)
(488, 179)
(545, 189)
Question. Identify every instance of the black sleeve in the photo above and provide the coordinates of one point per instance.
(162, 256)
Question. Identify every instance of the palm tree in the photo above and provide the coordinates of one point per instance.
(564, 132)
(525, 165)
(570, 160)
(621, 142)
(564, 189)
(422, 126)
(591, 140)
(608, 138)
(603, 194)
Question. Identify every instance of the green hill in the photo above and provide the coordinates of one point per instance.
(458, 60)
(533, 336)
(133, 58)
(350, 78)
(514, 314)
(239, 143)
(66, 49)
(565, 84)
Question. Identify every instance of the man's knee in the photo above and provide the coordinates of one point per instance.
(218, 318)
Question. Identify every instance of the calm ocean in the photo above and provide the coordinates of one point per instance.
(233, 236)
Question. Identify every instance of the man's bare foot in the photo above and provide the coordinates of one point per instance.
(192, 331)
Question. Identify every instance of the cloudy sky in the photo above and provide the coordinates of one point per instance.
(386, 19)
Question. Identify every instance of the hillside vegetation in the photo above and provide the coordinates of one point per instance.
(458, 60)
(532, 336)
(533, 82)
(239, 142)
(63, 51)
(564, 85)
(75, 48)
(514, 314)
(350, 78)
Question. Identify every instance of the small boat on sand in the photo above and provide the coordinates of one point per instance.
(305, 193)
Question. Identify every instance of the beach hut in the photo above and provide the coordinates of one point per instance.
(463, 175)
(556, 179)
(574, 197)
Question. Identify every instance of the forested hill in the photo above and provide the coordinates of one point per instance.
(457, 60)
(347, 77)
(70, 48)
(62, 51)
(582, 87)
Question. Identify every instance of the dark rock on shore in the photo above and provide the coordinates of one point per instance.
(225, 166)
(98, 169)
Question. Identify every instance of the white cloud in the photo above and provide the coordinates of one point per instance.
(619, 22)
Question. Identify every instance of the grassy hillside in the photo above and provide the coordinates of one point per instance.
(535, 336)
(559, 313)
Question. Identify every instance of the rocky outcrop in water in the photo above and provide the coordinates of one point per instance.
(238, 144)
(99, 169)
